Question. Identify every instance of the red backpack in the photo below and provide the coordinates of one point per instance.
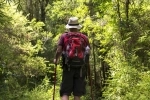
(74, 49)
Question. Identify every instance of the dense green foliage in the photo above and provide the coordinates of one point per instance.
(118, 31)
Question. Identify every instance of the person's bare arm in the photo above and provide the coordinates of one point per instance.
(58, 54)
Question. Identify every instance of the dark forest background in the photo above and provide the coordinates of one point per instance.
(119, 33)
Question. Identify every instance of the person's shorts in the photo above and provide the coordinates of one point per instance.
(73, 82)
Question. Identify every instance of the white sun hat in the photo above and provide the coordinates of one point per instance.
(73, 23)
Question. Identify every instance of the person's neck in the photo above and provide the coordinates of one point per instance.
(73, 30)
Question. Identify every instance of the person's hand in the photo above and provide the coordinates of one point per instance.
(55, 61)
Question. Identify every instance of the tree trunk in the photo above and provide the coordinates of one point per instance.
(30, 8)
(42, 3)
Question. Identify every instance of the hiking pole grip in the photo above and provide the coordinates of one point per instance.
(54, 81)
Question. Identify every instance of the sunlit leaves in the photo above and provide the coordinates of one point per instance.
(130, 57)
(21, 42)
(81, 11)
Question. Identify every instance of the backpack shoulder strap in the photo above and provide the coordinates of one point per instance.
(84, 37)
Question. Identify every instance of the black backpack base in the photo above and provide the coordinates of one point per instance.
(75, 62)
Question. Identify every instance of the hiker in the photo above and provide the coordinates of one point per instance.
(74, 57)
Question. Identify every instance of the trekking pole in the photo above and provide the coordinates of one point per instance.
(54, 81)
(90, 80)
